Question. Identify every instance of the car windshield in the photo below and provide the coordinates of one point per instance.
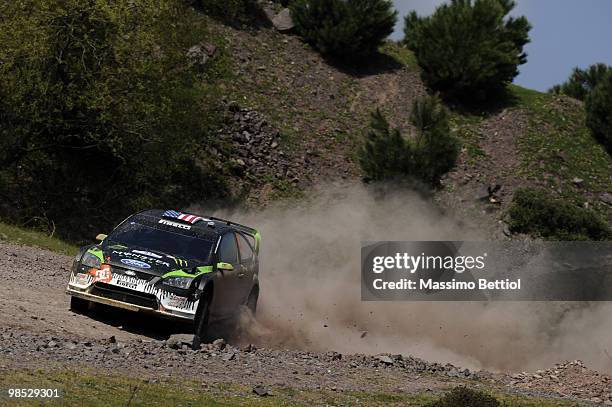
(175, 244)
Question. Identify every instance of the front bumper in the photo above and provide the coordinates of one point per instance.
(141, 296)
(128, 306)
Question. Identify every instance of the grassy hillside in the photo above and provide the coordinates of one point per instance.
(322, 111)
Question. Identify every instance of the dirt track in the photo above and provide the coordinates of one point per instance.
(37, 329)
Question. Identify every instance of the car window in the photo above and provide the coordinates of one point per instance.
(246, 252)
(228, 251)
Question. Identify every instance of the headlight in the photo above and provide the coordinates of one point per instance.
(90, 260)
(179, 282)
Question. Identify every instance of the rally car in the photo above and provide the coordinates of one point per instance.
(174, 264)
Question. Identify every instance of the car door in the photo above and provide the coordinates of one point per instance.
(226, 298)
(246, 270)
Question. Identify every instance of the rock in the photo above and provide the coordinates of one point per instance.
(453, 373)
(260, 391)
(483, 194)
(385, 359)
(507, 230)
(177, 341)
(229, 356)
(52, 344)
(219, 344)
(112, 339)
(283, 21)
(606, 198)
(363, 334)
(577, 181)
(201, 53)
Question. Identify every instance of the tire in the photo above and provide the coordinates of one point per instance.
(79, 305)
(201, 322)
(252, 301)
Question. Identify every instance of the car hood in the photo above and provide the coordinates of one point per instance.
(143, 260)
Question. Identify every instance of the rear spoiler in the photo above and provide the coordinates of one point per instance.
(246, 229)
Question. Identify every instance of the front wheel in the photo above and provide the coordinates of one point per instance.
(252, 301)
(201, 323)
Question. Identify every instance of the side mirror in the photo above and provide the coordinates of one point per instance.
(225, 266)
(101, 236)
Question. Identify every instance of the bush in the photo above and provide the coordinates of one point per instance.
(599, 111)
(101, 112)
(464, 397)
(435, 149)
(534, 212)
(582, 82)
(344, 28)
(469, 50)
(433, 152)
(385, 154)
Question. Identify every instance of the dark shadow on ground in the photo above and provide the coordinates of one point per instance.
(366, 66)
(492, 105)
(156, 327)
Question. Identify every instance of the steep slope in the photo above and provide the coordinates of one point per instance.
(321, 111)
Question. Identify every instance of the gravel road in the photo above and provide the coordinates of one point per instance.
(38, 330)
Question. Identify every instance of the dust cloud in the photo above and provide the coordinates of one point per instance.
(310, 291)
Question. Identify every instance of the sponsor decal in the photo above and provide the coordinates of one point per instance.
(176, 302)
(130, 273)
(81, 279)
(136, 263)
(127, 281)
(175, 224)
(103, 274)
(149, 254)
(185, 217)
(141, 258)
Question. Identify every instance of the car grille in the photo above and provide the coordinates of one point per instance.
(124, 295)
(138, 274)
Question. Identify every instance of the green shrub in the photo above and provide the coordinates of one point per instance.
(344, 28)
(464, 397)
(101, 112)
(433, 152)
(385, 154)
(469, 50)
(435, 149)
(534, 212)
(582, 82)
(599, 111)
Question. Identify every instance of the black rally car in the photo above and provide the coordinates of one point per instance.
(173, 264)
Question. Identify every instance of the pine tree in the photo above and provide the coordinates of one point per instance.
(344, 28)
(385, 154)
(467, 49)
(599, 111)
(582, 82)
(436, 150)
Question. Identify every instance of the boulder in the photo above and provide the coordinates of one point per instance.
(283, 21)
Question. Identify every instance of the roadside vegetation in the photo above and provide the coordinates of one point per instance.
(537, 213)
(103, 389)
(582, 82)
(468, 50)
(103, 112)
(28, 237)
(387, 154)
(344, 28)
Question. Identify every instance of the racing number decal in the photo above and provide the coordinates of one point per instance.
(103, 275)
